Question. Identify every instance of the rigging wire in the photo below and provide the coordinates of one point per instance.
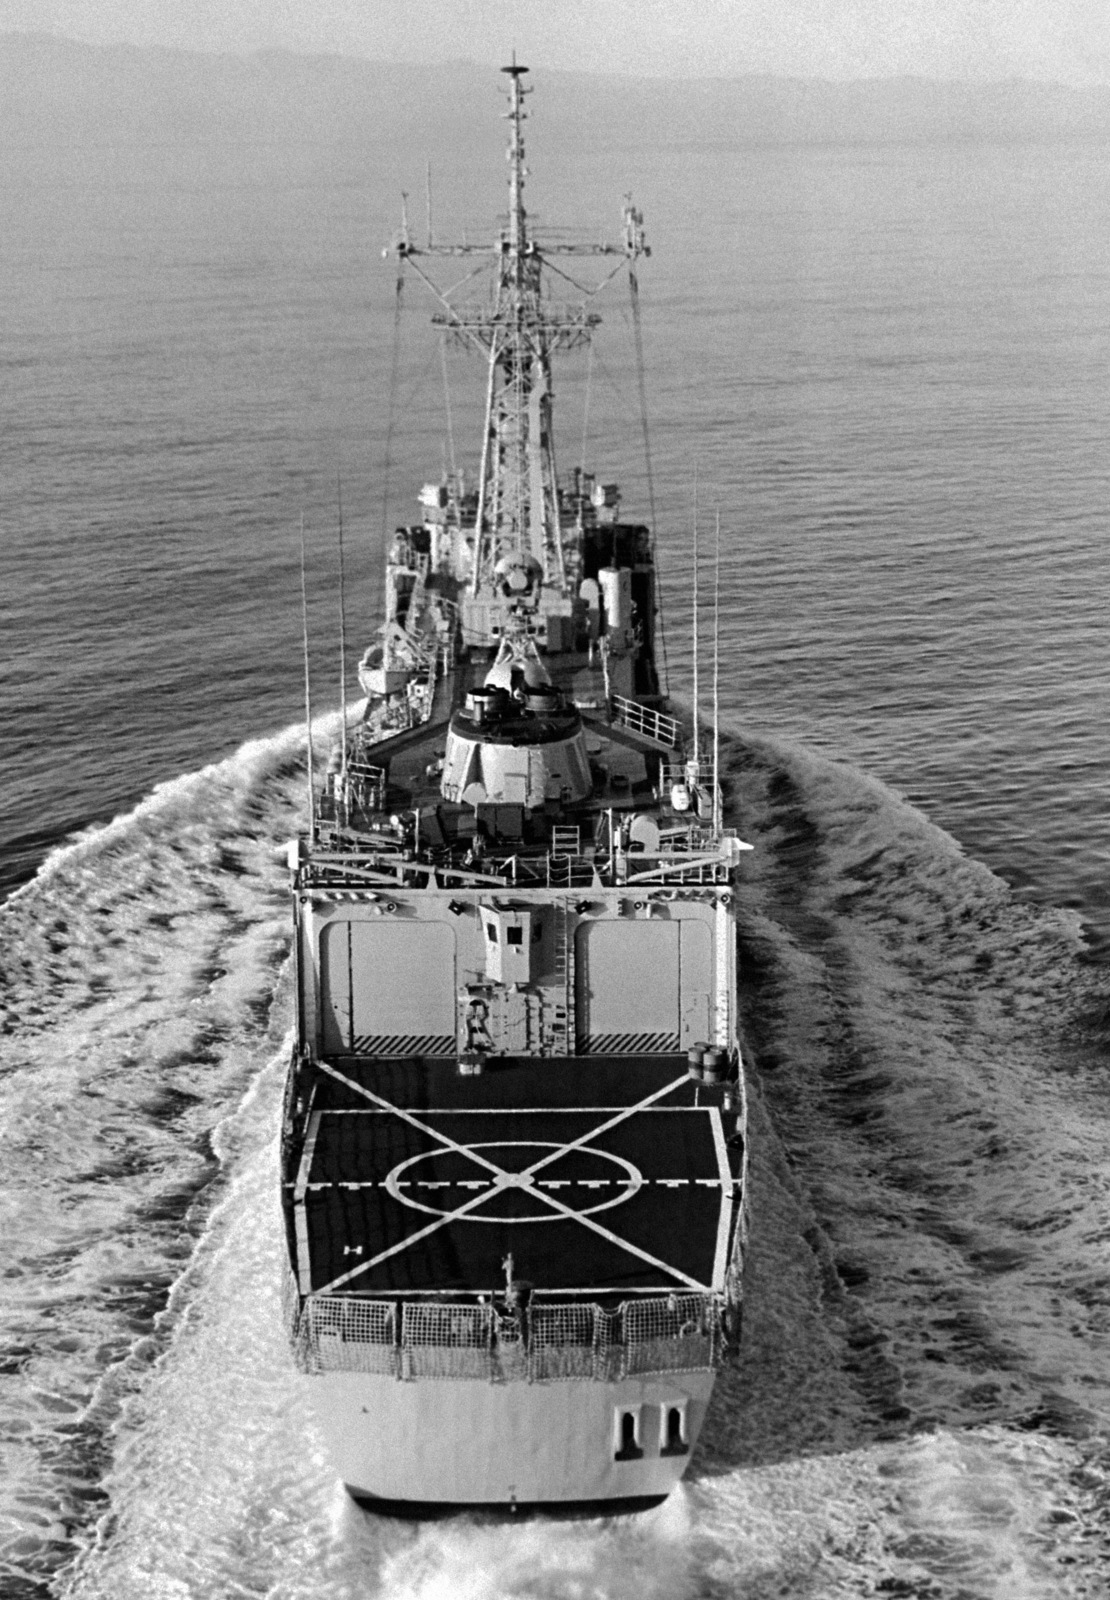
(619, 394)
(447, 409)
(586, 407)
(717, 682)
(589, 290)
(342, 637)
(483, 470)
(307, 695)
(394, 378)
(408, 396)
(634, 289)
(695, 619)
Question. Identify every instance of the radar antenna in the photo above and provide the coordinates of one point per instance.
(518, 524)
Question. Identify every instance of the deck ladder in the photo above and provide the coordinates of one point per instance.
(565, 840)
(564, 977)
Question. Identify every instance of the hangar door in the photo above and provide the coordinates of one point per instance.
(642, 987)
(388, 988)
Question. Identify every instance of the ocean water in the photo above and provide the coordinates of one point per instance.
(886, 367)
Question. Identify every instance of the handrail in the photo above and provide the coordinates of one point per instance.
(409, 1340)
(654, 725)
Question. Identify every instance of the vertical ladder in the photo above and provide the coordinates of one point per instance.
(563, 1040)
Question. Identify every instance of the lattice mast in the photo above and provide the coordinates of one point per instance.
(518, 523)
(518, 502)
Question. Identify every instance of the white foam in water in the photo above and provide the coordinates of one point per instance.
(647, 1559)
(222, 1485)
(967, 1503)
(921, 1404)
(139, 970)
(217, 1469)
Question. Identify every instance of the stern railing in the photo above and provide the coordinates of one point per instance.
(544, 1343)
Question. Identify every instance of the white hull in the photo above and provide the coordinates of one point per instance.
(461, 1442)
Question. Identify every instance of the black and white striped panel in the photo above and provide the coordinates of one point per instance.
(629, 1044)
(404, 1044)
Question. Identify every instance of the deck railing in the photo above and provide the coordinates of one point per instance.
(655, 725)
(546, 1343)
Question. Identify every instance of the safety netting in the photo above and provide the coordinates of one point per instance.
(446, 1341)
(678, 1334)
(351, 1335)
(543, 1343)
(562, 1341)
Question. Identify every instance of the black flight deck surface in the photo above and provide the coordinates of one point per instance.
(598, 1174)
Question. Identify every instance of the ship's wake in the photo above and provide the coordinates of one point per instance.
(139, 970)
(922, 1403)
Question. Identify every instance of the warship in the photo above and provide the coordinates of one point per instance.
(514, 1159)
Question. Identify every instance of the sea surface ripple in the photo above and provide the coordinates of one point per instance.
(886, 369)
(922, 1405)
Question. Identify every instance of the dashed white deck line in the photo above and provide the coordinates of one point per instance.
(478, 1199)
(407, 1116)
(594, 1133)
(489, 1183)
(622, 1244)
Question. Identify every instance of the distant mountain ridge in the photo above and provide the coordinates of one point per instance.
(57, 93)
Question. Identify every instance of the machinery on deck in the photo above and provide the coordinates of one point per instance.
(514, 1157)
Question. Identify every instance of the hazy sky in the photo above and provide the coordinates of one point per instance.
(1066, 40)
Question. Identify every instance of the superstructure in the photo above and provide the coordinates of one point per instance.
(514, 1160)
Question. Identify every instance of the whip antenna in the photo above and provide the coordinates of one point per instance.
(342, 640)
(447, 409)
(695, 612)
(307, 694)
(638, 338)
(395, 362)
(586, 404)
(717, 683)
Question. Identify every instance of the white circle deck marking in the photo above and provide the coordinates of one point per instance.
(500, 1180)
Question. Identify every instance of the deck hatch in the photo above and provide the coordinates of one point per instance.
(643, 986)
(386, 981)
(628, 979)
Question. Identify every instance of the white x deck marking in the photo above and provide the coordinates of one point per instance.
(626, 1186)
(508, 1179)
